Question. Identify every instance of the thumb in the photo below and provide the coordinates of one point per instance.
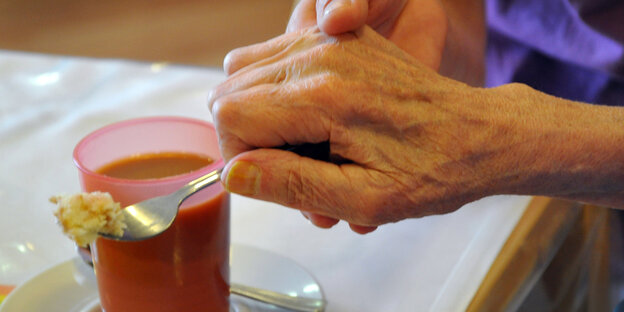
(303, 183)
(335, 17)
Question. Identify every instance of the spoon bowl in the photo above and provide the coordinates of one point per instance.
(153, 216)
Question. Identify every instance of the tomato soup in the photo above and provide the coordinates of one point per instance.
(184, 269)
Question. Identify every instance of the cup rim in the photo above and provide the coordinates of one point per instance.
(216, 164)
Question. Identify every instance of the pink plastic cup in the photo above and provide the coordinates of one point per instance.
(187, 267)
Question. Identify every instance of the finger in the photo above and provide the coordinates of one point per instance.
(423, 38)
(303, 16)
(382, 14)
(327, 222)
(285, 63)
(360, 229)
(339, 192)
(238, 131)
(268, 115)
(335, 17)
(269, 72)
(245, 56)
(320, 220)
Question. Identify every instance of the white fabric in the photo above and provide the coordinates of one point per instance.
(48, 103)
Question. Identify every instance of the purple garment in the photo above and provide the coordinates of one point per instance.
(568, 48)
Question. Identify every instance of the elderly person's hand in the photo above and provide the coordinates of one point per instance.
(418, 142)
(418, 27)
(445, 35)
(335, 17)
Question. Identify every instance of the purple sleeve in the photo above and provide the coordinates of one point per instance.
(553, 46)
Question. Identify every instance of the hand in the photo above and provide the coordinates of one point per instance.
(445, 35)
(418, 28)
(335, 17)
(419, 143)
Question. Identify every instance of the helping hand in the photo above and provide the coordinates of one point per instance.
(419, 27)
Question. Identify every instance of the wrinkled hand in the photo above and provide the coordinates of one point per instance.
(404, 128)
(445, 35)
(418, 27)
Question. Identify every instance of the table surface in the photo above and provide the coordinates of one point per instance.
(48, 103)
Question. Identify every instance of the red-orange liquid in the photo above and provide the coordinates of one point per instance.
(154, 166)
(184, 269)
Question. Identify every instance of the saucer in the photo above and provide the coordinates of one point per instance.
(71, 287)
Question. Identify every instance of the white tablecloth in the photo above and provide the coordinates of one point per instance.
(48, 103)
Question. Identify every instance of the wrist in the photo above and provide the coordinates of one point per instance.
(560, 148)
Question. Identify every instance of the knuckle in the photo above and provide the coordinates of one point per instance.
(214, 95)
(224, 112)
(227, 149)
(284, 73)
(295, 196)
(217, 93)
(232, 61)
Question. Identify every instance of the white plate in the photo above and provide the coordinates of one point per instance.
(70, 286)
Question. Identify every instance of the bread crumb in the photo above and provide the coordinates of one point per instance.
(82, 216)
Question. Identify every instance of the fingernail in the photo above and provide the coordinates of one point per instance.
(243, 178)
(332, 6)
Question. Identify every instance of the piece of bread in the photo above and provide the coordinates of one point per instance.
(84, 215)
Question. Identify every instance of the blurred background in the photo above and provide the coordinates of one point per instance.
(196, 32)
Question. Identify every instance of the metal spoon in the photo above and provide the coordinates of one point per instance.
(301, 304)
(153, 216)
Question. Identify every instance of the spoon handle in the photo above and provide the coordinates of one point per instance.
(300, 304)
(318, 151)
(197, 185)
